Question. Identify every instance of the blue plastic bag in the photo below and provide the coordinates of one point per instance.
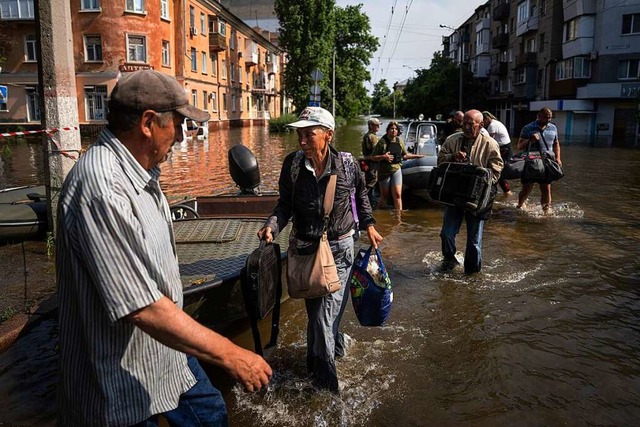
(370, 288)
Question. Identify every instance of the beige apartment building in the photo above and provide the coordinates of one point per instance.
(227, 68)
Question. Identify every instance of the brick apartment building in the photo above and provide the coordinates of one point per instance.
(227, 68)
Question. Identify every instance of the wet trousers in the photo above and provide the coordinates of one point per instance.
(202, 405)
(324, 340)
(451, 227)
(506, 153)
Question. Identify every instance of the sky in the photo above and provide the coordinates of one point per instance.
(410, 35)
(407, 38)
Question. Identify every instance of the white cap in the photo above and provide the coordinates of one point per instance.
(314, 116)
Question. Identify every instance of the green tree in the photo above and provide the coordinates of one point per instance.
(435, 90)
(380, 92)
(306, 34)
(354, 48)
(309, 31)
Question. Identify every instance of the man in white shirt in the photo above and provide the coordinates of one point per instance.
(499, 132)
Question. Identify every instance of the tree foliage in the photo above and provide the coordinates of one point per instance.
(309, 31)
(435, 90)
(306, 34)
(354, 48)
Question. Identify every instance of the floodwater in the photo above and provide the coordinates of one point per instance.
(546, 334)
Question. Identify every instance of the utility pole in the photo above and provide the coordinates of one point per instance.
(333, 90)
(57, 84)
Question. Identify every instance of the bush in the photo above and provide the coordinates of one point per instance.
(280, 124)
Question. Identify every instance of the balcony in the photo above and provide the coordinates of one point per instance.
(500, 68)
(527, 25)
(272, 68)
(501, 41)
(526, 58)
(501, 12)
(251, 58)
(217, 42)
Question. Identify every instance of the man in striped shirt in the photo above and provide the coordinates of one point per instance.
(127, 350)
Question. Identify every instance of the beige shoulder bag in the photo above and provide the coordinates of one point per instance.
(314, 275)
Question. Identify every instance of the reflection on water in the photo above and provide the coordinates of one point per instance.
(547, 334)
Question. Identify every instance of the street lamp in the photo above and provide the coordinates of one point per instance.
(456, 31)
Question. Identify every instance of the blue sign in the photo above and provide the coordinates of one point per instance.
(314, 104)
(3, 94)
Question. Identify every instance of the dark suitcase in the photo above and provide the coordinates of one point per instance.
(261, 282)
(462, 185)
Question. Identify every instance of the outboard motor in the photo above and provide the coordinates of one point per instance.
(244, 170)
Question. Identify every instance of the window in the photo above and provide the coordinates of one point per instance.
(214, 101)
(136, 6)
(232, 40)
(33, 104)
(16, 9)
(571, 30)
(194, 97)
(223, 70)
(192, 17)
(93, 48)
(86, 5)
(194, 59)
(136, 48)
(222, 27)
(541, 42)
(631, 23)
(520, 76)
(204, 62)
(239, 73)
(241, 105)
(543, 7)
(233, 72)
(214, 64)
(95, 100)
(629, 69)
(224, 101)
(523, 11)
(30, 52)
(203, 25)
(573, 68)
(205, 99)
(164, 9)
(233, 103)
(581, 68)
(166, 56)
(530, 45)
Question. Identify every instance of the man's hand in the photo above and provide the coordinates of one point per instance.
(265, 234)
(460, 156)
(249, 369)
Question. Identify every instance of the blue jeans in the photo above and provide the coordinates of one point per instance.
(202, 405)
(451, 227)
(324, 315)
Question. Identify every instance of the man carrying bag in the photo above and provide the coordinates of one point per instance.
(302, 201)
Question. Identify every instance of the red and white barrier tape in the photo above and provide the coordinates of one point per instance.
(50, 133)
(32, 132)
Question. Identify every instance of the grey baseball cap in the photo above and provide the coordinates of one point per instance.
(151, 90)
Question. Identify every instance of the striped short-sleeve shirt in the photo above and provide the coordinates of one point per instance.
(115, 254)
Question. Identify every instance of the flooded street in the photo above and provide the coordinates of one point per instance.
(547, 334)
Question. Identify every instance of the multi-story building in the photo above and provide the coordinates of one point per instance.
(226, 67)
(578, 57)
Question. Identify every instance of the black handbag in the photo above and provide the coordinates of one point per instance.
(513, 167)
(553, 169)
(534, 170)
